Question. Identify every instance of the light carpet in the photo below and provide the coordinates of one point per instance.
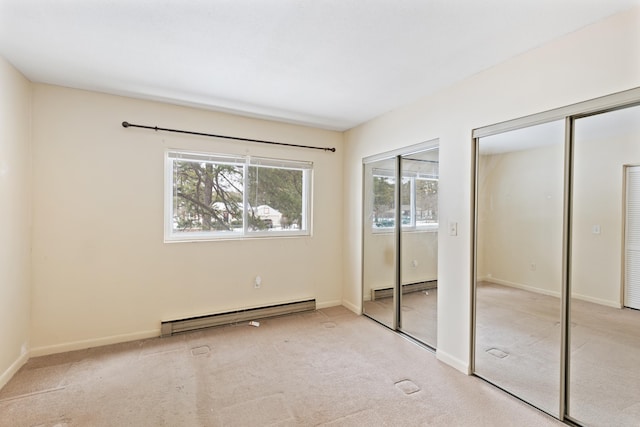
(328, 367)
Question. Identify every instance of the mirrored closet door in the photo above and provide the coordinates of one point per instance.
(379, 249)
(557, 260)
(604, 356)
(419, 245)
(519, 262)
(400, 240)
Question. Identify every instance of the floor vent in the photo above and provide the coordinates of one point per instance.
(172, 327)
(410, 287)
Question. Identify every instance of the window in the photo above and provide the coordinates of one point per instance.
(210, 196)
(423, 196)
(419, 200)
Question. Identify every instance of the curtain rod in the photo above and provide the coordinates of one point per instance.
(156, 128)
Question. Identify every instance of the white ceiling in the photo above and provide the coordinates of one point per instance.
(327, 63)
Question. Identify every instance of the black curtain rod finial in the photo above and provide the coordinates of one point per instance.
(125, 124)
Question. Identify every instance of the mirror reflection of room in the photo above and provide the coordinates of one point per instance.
(416, 257)
(519, 262)
(604, 375)
(419, 245)
(523, 216)
(379, 243)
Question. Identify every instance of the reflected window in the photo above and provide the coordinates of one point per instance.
(419, 200)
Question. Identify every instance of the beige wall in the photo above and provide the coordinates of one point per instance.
(15, 220)
(521, 210)
(520, 216)
(101, 270)
(598, 60)
(599, 160)
(419, 259)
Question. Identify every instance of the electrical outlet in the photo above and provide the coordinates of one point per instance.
(258, 282)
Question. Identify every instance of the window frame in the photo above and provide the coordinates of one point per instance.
(245, 161)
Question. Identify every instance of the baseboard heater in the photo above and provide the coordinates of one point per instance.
(172, 327)
(408, 288)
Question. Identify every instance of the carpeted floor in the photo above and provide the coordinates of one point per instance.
(518, 343)
(328, 367)
(419, 314)
(518, 348)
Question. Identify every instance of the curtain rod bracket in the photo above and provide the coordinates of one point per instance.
(156, 128)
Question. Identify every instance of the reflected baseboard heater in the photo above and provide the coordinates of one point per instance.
(409, 287)
(172, 327)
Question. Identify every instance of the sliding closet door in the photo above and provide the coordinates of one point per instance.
(604, 356)
(379, 252)
(632, 238)
(519, 241)
(400, 240)
(419, 245)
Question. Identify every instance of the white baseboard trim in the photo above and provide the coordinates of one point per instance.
(454, 362)
(522, 286)
(599, 301)
(356, 309)
(94, 342)
(11, 370)
(327, 304)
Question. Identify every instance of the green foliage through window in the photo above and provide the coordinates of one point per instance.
(216, 196)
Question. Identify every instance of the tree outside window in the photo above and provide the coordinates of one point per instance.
(214, 196)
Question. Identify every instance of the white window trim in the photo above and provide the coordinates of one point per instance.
(176, 237)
